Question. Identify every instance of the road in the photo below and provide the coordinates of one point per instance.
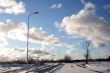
(45, 69)
(72, 68)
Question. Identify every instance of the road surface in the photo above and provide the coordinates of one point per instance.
(72, 68)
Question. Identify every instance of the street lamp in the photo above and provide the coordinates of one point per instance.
(28, 32)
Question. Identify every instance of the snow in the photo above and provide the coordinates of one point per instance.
(96, 67)
(101, 66)
(91, 68)
(7, 68)
(67, 68)
(54, 69)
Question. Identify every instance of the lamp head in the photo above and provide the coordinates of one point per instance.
(36, 13)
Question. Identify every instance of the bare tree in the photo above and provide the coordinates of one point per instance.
(67, 58)
(108, 58)
(86, 46)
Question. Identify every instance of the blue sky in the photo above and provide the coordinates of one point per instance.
(64, 21)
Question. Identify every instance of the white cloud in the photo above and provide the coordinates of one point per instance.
(59, 5)
(87, 24)
(40, 52)
(3, 58)
(88, 5)
(18, 31)
(9, 54)
(107, 7)
(42, 36)
(3, 41)
(11, 30)
(83, 1)
(5, 28)
(12, 7)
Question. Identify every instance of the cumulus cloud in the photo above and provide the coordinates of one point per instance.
(88, 25)
(6, 29)
(107, 7)
(83, 1)
(88, 5)
(42, 36)
(40, 52)
(12, 7)
(59, 5)
(18, 31)
(37, 51)
(3, 41)
(9, 54)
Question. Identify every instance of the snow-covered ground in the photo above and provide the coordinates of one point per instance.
(12, 68)
(97, 67)
(72, 68)
(23, 68)
(103, 67)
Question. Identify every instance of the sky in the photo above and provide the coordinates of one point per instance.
(60, 28)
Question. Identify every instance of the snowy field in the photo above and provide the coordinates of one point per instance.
(97, 67)
(13, 68)
(23, 68)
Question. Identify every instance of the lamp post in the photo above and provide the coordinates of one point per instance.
(28, 32)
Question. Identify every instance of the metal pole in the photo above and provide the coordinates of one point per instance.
(28, 34)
